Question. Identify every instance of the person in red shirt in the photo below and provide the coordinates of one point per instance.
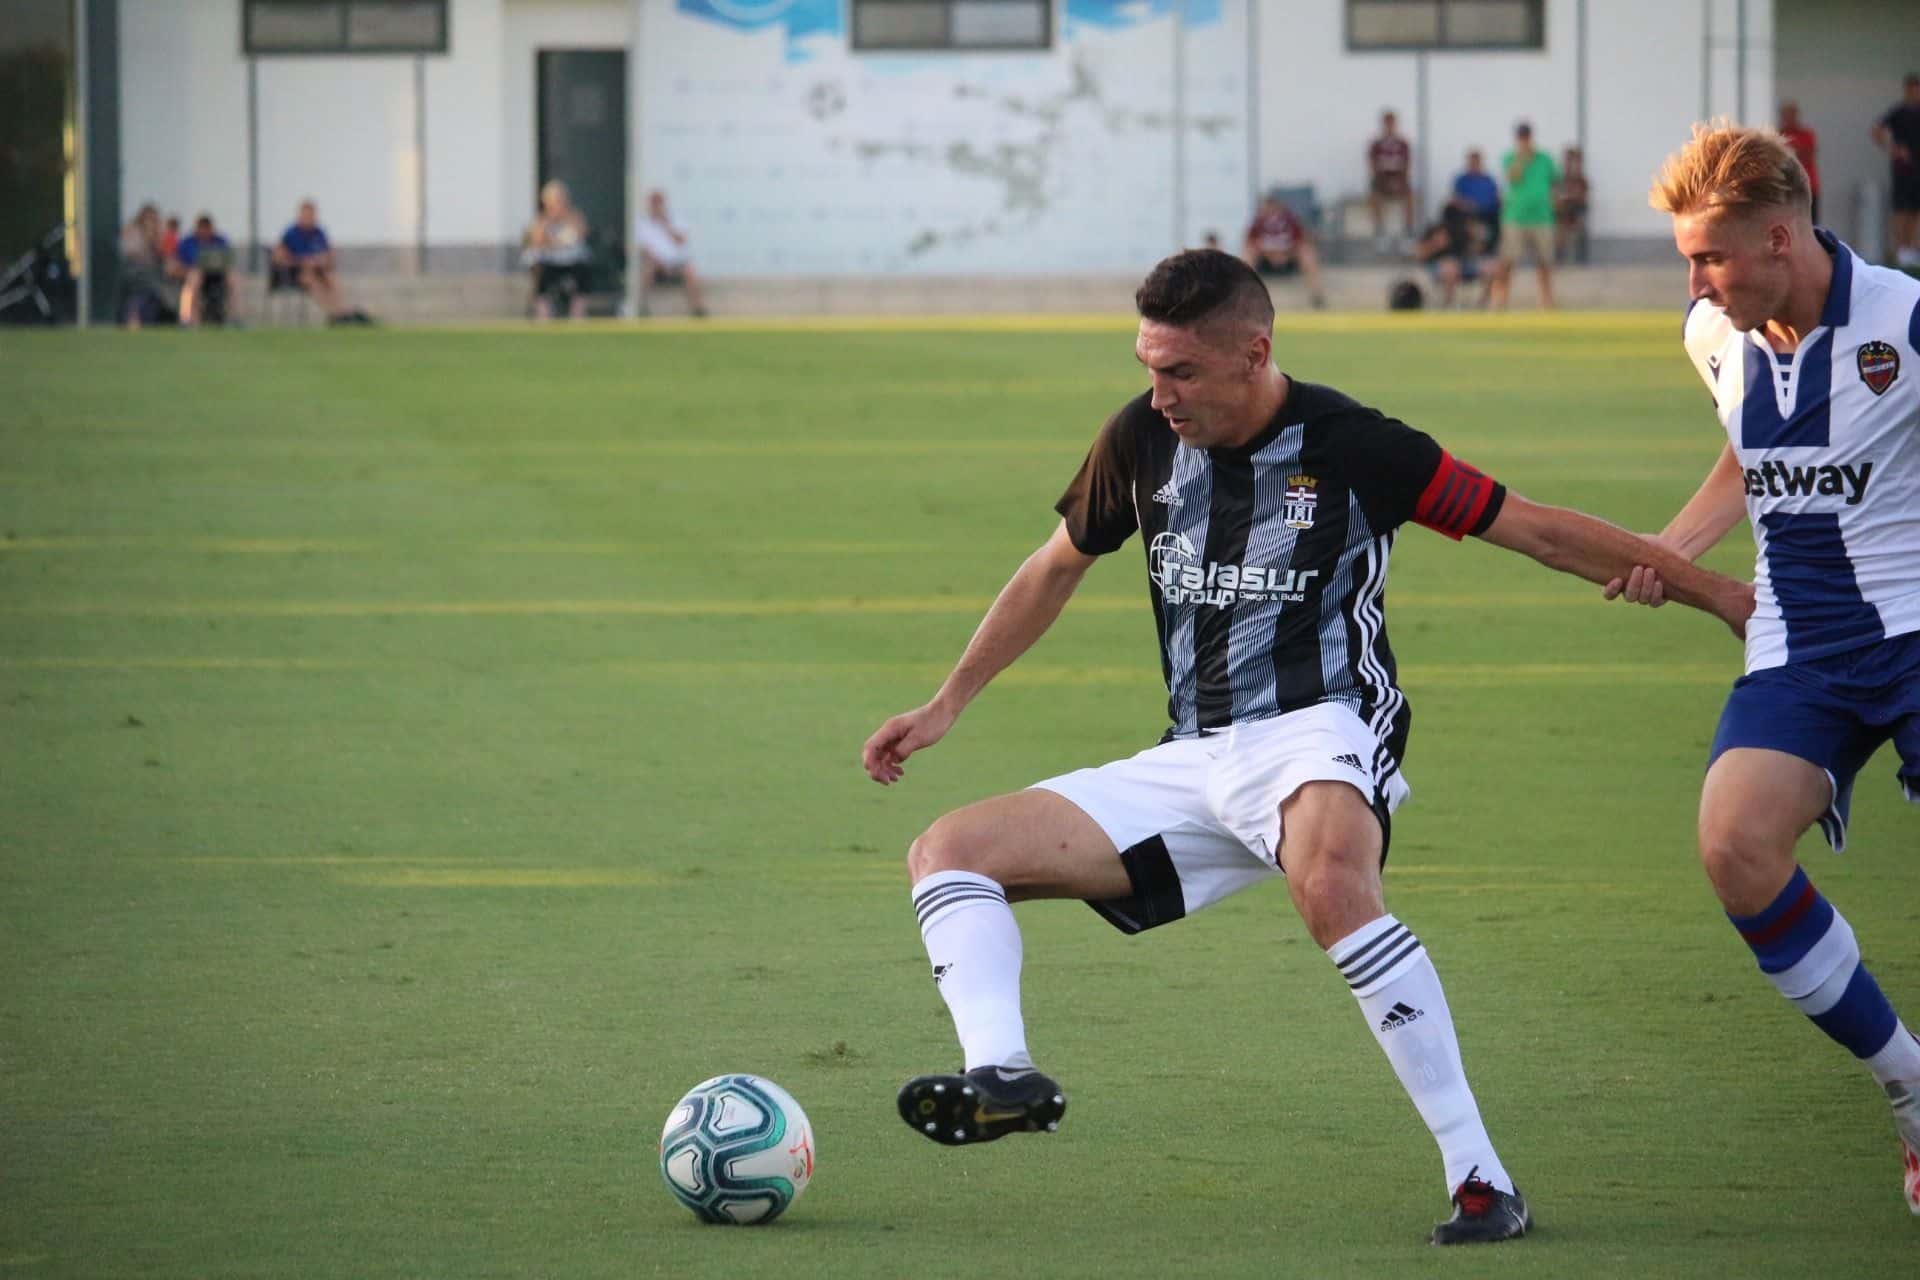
(1801, 139)
(1390, 176)
(1279, 244)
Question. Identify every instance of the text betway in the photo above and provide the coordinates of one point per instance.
(1223, 584)
(1778, 480)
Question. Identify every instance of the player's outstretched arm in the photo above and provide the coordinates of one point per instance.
(1587, 547)
(1021, 614)
(1715, 507)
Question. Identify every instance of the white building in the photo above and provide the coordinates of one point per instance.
(1134, 127)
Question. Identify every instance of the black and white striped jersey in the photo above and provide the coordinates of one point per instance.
(1267, 563)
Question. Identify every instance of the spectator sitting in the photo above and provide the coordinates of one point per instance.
(304, 258)
(1481, 193)
(1389, 177)
(146, 295)
(201, 263)
(1898, 134)
(555, 246)
(665, 258)
(170, 238)
(1804, 145)
(1451, 248)
(1279, 244)
(1570, 209)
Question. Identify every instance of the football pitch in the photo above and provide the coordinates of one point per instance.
(423, 756)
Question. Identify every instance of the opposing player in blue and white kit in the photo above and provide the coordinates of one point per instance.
(1811, 355)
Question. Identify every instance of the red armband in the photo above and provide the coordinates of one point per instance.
(1455, 499)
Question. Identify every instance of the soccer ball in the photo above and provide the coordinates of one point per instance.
(737, 1149)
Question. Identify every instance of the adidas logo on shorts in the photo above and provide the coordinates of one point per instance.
(1350, 760)
(939, 972)
(1167, 494)
(1400, 1015)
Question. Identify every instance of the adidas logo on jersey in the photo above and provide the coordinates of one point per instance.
(1350, 760)
(1400, 1015)
(1167, 494)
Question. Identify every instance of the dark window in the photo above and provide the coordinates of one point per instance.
(1446, 24)
(959, 25)
(343, 26)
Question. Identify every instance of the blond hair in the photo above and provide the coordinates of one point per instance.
(1733, 168)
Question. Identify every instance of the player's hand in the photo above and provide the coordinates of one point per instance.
(1642, 586)
(886, 752)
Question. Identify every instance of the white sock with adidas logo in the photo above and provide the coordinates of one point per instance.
(975, 947)
(1400, 994)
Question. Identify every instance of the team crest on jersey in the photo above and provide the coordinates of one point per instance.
(1879, 366)
(1300, 499)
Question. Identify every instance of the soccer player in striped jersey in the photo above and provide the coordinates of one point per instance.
(1266, 507)
(1810, 354)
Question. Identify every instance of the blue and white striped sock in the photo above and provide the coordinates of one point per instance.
(1809, 953)
(975, 948)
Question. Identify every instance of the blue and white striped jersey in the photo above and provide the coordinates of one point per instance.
(1828, 438)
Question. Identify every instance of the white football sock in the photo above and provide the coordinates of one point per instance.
(974, 944)
(1399, 993)
(1899, 1061)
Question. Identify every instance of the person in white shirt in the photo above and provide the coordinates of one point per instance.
(665, 256)
(1813, 359)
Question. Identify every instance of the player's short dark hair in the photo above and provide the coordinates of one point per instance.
(1199, 285)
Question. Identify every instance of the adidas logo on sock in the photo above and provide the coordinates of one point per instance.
(939, 972)
(1167, 494)
(1400, 1015)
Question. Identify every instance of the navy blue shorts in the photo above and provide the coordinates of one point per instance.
(1834, 712)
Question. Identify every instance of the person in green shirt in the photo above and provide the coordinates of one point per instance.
(1526, 223)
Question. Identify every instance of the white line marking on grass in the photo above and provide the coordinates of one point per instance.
(183, 664)
(229, 546)
(506, 878)
(1117, 321)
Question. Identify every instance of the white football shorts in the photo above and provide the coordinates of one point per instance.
(1198, 819)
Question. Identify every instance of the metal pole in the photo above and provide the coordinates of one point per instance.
(1706, 59)
(420, 164)
(1253, 103)
(1179, 124)
(79, 229)
(1740, 59)
(636, 197)
(1422, 102)
(1580, 77)
(253, 164)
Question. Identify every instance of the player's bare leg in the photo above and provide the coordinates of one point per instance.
(1330, 848)
(966, 868)
(1753, 809)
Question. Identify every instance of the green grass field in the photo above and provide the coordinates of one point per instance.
(423, 756)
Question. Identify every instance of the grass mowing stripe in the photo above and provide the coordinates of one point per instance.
(850, 606)
(362, 546)
(1029, 675)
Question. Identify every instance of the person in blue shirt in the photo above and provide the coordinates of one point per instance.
(1480, 194)
(304, 257)
(201, 263)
